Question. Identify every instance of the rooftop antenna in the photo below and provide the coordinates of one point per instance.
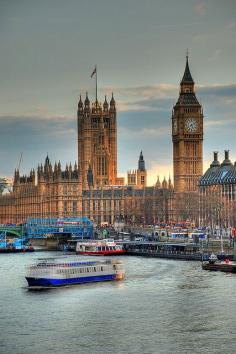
(187, 54)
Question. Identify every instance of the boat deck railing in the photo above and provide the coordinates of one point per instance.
(72, 264)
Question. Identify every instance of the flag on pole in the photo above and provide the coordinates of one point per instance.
(94, 72)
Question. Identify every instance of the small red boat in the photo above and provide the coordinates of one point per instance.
(99, 248)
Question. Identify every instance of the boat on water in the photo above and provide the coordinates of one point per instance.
(99, 248)
(12, 249)
(15, 246)
(214, 264)
(56, 272)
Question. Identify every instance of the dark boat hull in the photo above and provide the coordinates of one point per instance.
(16, 250)
(48, 282)
(222, 267)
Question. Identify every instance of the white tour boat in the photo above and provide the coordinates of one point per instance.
(54, 272)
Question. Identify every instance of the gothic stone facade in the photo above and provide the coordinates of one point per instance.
(187, 137)
(52, 192)
(92, 188)
(97, 142)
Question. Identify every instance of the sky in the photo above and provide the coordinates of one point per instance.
(48, 52)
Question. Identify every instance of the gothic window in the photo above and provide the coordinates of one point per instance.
(95, 122)
(142, 179)
(74, 206)
(65, 206)
(88, 205)
(102, 166)
(106, 122)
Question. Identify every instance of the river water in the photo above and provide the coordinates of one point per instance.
(163, 306)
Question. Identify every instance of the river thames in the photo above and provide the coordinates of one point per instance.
(163, 306)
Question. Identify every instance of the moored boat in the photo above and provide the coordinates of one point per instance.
(99, 248)
(214, 264)
(55, 272)
(12, 249)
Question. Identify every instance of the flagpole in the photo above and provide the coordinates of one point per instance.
(96, 85)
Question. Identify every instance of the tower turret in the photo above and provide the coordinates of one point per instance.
(97, 142)
(215, 162)
(86, 103)
(80, 105)
(164, 183)
(187, 136)
(158, 183)
(141, 172)
(187, 82)
(105, 105)
(112, 103)
(141, 162)
(226, 161)
(170, 186)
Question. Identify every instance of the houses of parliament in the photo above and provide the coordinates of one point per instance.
(92, 187)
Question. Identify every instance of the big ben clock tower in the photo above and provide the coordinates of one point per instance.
(187, 136)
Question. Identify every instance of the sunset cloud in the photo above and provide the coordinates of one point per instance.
(143, 123)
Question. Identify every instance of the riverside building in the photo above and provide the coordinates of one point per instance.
(92, 186)
(218, 193)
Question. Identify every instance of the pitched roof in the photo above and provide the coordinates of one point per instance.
(187, 78)
(219, 175)
(187, 98)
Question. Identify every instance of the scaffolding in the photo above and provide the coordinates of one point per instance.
(77, 228)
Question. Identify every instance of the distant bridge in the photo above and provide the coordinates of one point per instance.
(11, 230)
(78, 228)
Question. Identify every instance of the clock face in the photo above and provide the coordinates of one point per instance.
(191, 125)
(175, 126)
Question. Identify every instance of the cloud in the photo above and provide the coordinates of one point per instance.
(35, 136)
(144, 133)
(215, 123)
(161, 98)
(149, 128)
(143, 122)
(218, 90)
(200, 8)
(231, 25)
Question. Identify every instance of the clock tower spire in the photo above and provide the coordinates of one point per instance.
(187, 136)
